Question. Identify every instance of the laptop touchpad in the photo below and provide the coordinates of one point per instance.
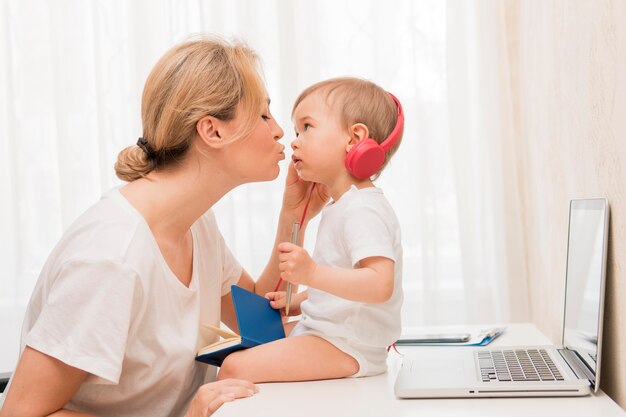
(445, 367)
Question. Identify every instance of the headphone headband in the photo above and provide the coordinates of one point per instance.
(397, 130)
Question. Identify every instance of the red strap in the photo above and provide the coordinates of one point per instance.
(393, 345)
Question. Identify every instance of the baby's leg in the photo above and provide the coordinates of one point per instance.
(297, 358)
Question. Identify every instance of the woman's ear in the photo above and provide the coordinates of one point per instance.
(208, 130)
(358, 132)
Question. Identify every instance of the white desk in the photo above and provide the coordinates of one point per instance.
(373, 396)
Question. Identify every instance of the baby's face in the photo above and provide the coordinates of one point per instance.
(319, 149)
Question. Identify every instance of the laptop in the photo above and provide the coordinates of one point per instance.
(572, 369)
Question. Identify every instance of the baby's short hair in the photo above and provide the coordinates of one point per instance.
(359, 101)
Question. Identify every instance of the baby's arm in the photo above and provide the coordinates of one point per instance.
(371, 281)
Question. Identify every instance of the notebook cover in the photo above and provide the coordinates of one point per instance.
(216, 358)
(258, 322)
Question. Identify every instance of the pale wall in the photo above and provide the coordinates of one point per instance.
(568, 77)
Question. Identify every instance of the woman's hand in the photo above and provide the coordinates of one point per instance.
(295, 264)
(211, 396)
(278, 301)
(297, 191)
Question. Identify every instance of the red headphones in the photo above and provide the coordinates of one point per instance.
(367, 156)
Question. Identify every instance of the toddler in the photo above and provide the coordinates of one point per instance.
(347, 129)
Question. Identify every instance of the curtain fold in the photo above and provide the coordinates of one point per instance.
(485, 162)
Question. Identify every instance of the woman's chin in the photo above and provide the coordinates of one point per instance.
(274, 173)
(268, 175)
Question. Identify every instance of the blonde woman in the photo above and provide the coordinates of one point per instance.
(113, 324)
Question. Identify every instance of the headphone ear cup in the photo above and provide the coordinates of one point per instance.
(365, 158)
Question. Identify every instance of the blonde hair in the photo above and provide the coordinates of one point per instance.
(198, 78)
(359, 101)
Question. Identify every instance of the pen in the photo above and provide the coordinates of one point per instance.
(489, 333)
(294, 240)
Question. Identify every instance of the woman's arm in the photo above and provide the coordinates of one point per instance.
(269, 277)
(41, 386)
(295, 199)
(227, 307)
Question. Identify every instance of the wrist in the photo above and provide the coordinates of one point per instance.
(312, 278)
(285, 228)
(292, 216)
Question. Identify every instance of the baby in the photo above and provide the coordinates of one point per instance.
(347, 129)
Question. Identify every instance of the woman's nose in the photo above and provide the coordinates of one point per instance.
(278, 132)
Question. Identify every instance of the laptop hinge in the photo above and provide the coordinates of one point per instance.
(578, 366)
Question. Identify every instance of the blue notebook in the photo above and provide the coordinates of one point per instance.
(258, 323)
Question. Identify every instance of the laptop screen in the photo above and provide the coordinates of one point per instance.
(586, 258)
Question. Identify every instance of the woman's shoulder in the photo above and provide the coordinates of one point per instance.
(104, 231)
(206, 224)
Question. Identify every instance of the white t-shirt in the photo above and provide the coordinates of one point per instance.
(107, 302)
(359, 225)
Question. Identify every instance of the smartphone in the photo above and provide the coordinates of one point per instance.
(434, 338)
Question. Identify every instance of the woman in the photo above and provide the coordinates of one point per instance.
(114, 321)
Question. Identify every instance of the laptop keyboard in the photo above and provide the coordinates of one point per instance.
(517, 365)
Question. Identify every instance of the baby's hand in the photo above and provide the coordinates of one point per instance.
(295, 264)
(278, 300)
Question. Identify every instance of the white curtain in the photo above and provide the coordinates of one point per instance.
(71, 76)
(487, 184)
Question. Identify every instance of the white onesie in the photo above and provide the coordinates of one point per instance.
(361, 224)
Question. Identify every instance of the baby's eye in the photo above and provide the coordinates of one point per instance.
(306, 126)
